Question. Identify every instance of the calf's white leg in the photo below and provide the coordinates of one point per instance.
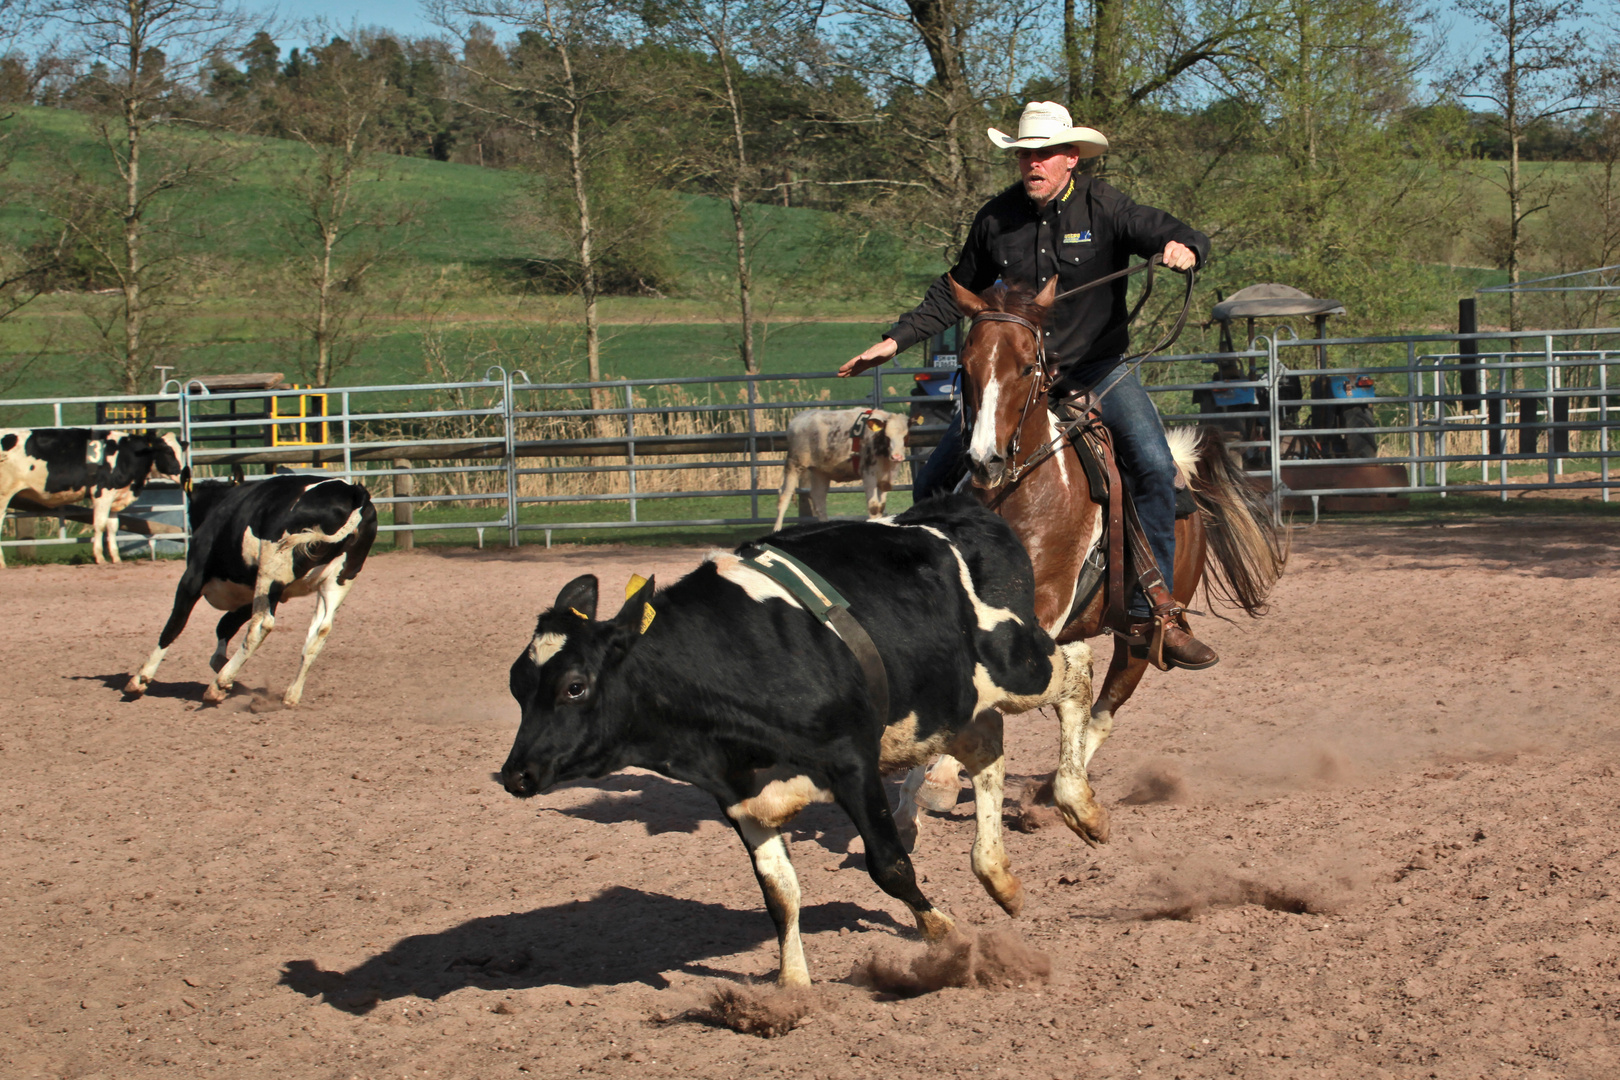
(774, 870)
(819, 482)
(260, 623)
(327, 598)
(790, 484)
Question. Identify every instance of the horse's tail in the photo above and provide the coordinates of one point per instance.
(1250, 547)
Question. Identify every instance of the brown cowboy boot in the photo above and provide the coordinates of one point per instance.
(1168, 641)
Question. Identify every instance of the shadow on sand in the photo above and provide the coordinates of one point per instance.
(621, 935)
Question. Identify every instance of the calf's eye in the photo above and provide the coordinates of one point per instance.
(575, 689)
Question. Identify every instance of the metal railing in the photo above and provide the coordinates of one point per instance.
(503, 453)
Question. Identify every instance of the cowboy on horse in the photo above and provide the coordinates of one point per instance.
(1058, 222)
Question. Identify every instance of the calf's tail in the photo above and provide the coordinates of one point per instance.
(360, 541)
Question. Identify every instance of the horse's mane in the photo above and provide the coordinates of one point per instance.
(1015, 299)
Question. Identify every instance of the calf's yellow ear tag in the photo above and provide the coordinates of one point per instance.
(632, 587)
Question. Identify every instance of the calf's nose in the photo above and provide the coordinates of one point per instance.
(520, 782)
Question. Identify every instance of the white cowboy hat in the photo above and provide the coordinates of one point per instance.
(1046, 123)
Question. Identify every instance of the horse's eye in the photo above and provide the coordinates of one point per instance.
(1029, 370)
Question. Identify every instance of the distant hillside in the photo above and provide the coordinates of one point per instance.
(468, 220)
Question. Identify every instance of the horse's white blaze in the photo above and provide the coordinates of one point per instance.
(759, 587)
(988, 617)
(983, 447)
(545, 646)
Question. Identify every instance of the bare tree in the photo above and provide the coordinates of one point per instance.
(340, 219)
(139, 55)
(1530, 69)
(941, 69)
(565, 68)
(727, 35)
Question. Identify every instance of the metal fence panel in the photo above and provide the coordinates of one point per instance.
(507, 454)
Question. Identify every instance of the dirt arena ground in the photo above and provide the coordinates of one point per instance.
(1379, 840)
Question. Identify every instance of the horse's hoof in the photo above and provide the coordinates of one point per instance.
(1093, 826)
(1012, 901)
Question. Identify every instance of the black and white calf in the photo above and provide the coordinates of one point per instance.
(254, 545)
(726, 681)
(53, 467)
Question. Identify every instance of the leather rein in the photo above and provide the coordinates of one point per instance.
(1040, 385)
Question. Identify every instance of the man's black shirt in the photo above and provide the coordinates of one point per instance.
(1089, 231)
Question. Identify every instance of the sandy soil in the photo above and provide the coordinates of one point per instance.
(1379, 840)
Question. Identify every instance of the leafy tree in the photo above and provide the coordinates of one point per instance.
(339, 219)
(124, 205)
(1529, 70)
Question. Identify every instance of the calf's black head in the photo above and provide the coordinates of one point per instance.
(560, 681)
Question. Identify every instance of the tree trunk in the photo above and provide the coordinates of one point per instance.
(745, 283)
(1107, 51)
(133, 311)
(1074, 63)
(588, 286)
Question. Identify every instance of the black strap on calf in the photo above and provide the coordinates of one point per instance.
(826, 604)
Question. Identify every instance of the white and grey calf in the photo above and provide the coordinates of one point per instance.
(256, 544)
(839, 446)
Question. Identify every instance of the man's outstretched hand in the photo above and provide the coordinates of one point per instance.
(871, 358)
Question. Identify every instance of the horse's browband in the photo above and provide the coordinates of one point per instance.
(1007, 316)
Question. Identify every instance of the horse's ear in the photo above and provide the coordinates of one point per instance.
(1044, 298)
(966, 302)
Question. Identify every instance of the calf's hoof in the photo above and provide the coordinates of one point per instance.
(215, 693)
(291, 699)
(135, 687)
(934, 924)
(217, 663)
(786, 978)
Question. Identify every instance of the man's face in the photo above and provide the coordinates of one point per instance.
(1046, 170)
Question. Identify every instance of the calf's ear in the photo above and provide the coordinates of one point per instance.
(580, 595)
(637, 611)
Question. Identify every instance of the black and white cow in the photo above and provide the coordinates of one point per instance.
(726, 681)
(53, 467)
(254, 545)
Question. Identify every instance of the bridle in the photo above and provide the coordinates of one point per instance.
(1043, 383)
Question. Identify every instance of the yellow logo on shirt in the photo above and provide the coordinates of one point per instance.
(1077, 237)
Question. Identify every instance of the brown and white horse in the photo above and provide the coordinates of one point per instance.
(1023, 466)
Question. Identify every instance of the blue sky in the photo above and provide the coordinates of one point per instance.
(404, 18)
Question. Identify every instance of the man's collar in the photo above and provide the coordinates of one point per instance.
(1067, 193)
(1058, 203)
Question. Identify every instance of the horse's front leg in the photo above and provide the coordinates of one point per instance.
(980, 748)
(1071, 789)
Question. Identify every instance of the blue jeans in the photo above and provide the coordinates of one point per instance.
(1145, 464)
